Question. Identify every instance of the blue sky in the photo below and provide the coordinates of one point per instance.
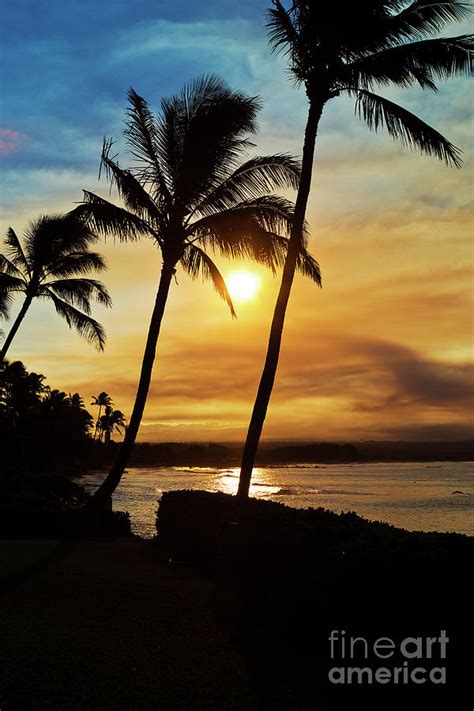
(66, 67)
(391, 229)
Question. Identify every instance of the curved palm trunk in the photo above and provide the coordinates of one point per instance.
(273, 352)
(104, 493)
(16, 326)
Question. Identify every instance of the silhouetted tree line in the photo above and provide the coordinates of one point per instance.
(211, 454)
(41, 429)
(47, 431)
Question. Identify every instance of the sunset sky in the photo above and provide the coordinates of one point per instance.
(384, 351)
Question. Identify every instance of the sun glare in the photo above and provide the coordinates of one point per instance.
(243, 286)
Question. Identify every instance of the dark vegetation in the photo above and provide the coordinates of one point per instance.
(209, 454)
(44, 440)
(42, 430)
(286, 578)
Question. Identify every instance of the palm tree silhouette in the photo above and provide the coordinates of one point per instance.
(55, 249)
(334, 50)
(190, 194)
(110, 422)
(101, 400)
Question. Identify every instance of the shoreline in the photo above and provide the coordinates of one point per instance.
(282, 465)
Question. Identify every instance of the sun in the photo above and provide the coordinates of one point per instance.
(243, 286)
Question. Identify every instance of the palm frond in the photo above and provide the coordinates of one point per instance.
(423, 18)
(405, 127)
(110, 220)
(87, 327)
(201, 133)
(259, 175)
(50, 237)
(282, 33)
(15, 251)
(140, 132)
(8, 267)
(271, 212)
(80, 292)
(254, 230)
(8, 285)
(196, 262)
(309, 267)
(132, 192)
(414, 62)
(306, 264)
(76, 263)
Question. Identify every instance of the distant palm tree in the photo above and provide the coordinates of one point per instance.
(189, 192)
(101, 400)
(336, 49)
(55, 249)
(112, 420)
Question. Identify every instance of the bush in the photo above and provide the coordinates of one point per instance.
(209, 528)
(287, 577)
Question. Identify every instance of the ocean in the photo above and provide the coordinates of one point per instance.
(426, 496)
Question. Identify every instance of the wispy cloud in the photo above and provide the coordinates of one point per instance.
(10, 140)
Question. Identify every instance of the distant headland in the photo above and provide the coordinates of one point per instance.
(281, 453)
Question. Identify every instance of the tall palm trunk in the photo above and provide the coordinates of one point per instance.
(273, 352)
(16, 326)
(104, 493)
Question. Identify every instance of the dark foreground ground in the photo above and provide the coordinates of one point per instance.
(231, 608)
(107, 625)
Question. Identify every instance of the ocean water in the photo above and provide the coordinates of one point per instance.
(427, 496)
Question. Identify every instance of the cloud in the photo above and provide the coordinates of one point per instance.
(438, 432)
(10, 140)
(348, 385)
(416, 380)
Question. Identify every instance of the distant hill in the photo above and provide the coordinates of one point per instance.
(462, 451)
(175, 454)
(304, 453)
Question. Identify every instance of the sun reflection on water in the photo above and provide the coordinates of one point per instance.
(261, 485)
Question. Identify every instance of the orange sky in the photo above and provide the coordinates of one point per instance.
(383, 351)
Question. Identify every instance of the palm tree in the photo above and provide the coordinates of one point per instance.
(112, 420)
(101, 400)
(55, 249)
(5, 302)
(189, 192)
(338, 50)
